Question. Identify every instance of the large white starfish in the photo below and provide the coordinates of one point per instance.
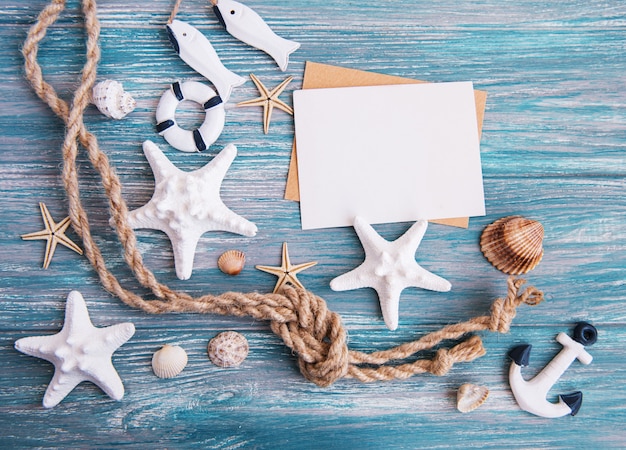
(185, 205)
(389, 267)
(80, 352)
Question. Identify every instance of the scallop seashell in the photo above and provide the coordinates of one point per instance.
(228, 349)
(111, 99)
(470, 396)
(169, 361)
(513, 244)
(231, 262)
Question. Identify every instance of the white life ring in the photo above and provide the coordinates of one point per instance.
(209, 131)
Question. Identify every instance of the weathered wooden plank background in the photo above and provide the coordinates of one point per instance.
(553, 149)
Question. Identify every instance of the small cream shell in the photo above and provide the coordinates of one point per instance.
(231, 262)
(228, 349)
(471, 396)
(111, 99)
(169, 361)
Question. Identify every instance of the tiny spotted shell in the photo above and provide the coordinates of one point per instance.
(169, 361)
(228, 349)
(470, 396)
(231, 262)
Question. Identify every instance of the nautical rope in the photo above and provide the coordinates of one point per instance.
(174, 11)
(299, 317)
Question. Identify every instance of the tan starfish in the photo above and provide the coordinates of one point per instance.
(54, 233)
(286, 273)
(268, 100)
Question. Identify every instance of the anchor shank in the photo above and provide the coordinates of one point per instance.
(550, 374)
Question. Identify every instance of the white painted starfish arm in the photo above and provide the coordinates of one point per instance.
(355, 279)
(184, 248)
(369, 238)
(107, 379)
(60, 386)
(227, 220)
(143, 218)
(413, 236)
(161, 166)
(389, 297)
(220, 164)
(422, 278)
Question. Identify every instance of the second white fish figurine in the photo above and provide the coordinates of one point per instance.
(196, 50)
(247, 26)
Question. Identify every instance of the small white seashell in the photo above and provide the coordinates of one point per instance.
(231, 262)
(111, 99)
(228, 349)
(470, 396)
(169, 361)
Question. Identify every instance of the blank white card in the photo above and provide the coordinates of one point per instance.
(387, 153)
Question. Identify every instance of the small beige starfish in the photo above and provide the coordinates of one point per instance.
(268, 100)
(54, 233)
(286, 273)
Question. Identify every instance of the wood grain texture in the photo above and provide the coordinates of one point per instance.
(553, 149)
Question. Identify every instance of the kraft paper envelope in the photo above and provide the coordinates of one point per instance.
(388, 153)
(318, 75)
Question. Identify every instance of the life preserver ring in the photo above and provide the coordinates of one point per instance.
(209, 131)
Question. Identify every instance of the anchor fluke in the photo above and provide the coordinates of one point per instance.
(573, 400)
(521, 354)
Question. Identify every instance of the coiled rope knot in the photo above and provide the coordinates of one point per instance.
(316, 335)
(503, 310)
(466, 351)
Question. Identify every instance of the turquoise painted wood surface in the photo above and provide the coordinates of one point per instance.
(553, 149)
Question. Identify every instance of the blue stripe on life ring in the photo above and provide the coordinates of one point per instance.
(160, 127)
(213, 101)
(178, 92)
(197, 138)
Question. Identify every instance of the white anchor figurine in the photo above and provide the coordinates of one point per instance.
(531, 395)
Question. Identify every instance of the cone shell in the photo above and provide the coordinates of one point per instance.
(228, 349)
(169, 361)
(470, 396)
(513, 244)
(111, 99)
(231, 262)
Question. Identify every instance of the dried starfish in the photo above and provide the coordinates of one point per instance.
(185, 205)
(286, 273)
(54, 233)
(268, 100)
(389, 267)
(80, 352)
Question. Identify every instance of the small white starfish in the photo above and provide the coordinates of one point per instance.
(389, 267)
(80, 352)
(185, 205)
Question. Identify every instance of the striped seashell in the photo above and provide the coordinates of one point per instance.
(513, 244)
(470, 396)
(111, 99)
(228, 349)
(169, 361)
(231, 262)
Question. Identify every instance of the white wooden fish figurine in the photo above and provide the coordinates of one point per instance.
(247, 26)
(196, 50)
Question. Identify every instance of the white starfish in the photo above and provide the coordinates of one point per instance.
(79, 352)
(185, 205)
(389, 267)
